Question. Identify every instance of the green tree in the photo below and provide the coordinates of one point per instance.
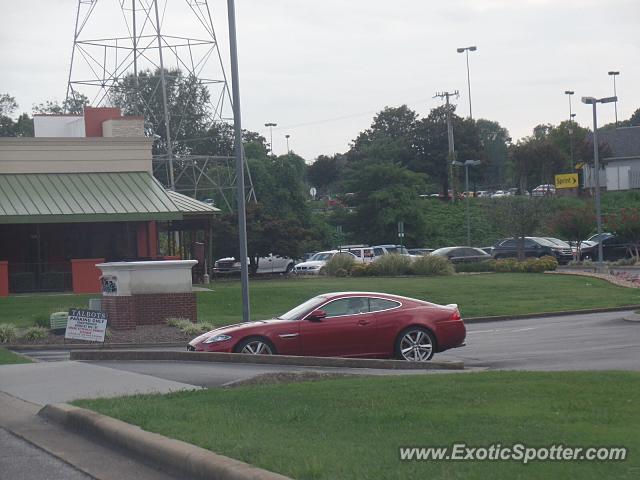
(22, 127)
(432, 146)
(494, 139)
(519, 217)
(389, 139)
(573, 223)
(536, 160)
(325, 171)
(383, 195)
(73, 105)
(626, 224)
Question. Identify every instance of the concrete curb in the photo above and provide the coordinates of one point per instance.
(88, 346)
(190, 461)
(632, 317)
(550, 314)
(265, 359)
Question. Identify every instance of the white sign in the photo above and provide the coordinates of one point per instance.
(87, 325)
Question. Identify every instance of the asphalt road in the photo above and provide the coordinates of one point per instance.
(601, 341)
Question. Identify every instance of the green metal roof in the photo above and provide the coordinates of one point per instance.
(84, 197)
(191, 206)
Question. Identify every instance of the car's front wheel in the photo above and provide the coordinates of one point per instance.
(415, 344)
(255, 346)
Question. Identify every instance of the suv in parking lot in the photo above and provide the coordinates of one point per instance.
(533, 247)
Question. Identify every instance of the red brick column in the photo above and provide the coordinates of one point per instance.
(4, 279)
(85, 275)
(120, 312)
(126, 313)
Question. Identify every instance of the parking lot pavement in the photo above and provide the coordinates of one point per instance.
(21, 460)
(602, 341)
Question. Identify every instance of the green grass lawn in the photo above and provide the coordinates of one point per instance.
(477, 295)
(7, 357)
(353, 428)
(23, 311)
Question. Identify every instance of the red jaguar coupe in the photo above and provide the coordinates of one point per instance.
(347, 324)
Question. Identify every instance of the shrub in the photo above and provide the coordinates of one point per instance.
(391, 265)
(36, 333)
(341, 272)
(339, 262)
(484, 266)
(432, 265)
(43, 321)
(188, 327)
(550, 263)
(506, 265)
(534, 265)
(626, 262)
(360, 270)
(8, 333)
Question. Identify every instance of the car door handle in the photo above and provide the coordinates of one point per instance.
(364, 322)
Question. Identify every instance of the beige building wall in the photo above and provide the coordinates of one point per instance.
(123, 127)
(75, 155)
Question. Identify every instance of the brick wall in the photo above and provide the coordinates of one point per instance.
(126, 313)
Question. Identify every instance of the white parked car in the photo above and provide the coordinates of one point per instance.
(269, 264)
(381, 250)
(500, 194)
(318, 261)
(546, 190)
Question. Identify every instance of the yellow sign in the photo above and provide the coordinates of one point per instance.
(567, 180)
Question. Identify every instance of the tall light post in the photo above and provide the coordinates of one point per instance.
(466, 164)
(287, 137)
(239, 154)
(569, 93)
(466, 50)
(614, 74)
(596, 163)
(271, 125)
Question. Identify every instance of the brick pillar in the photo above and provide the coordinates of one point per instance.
(4, 279)
(120, 312)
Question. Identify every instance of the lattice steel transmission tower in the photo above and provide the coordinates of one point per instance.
(141, 51)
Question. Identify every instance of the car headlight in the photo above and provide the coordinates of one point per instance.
(217, 338)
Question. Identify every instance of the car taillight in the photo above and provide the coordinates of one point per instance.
(455, 315)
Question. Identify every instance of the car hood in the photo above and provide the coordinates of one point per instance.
(313, 263)
(237, 328)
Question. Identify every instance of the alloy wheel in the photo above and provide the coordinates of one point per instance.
(257, 347)
(416, 346)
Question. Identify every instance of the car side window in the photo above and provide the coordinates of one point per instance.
(378, 252)
(509, 243)
(378, 304)
(346, 306)
(530, 244)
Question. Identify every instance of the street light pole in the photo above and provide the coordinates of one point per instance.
(614, 74)
(466, 165)
(239, 154)
(596, 163)
(271, 125)
(287, 137)
(466, 50)
(569, 93)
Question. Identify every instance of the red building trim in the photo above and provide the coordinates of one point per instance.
(85, 275)
(4, 279)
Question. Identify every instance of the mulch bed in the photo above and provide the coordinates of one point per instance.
(142, 334)
(620, 279)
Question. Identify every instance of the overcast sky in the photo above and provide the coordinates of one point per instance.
(322, 69)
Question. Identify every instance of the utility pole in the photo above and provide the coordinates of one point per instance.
(452, 150)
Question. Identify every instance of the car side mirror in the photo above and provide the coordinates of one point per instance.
(317, 315)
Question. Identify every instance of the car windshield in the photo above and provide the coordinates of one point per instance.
(442, 251)
(297, 312)
(598, 237)
(544, 241)
(321, 256)
(400, 250)
(559, 242)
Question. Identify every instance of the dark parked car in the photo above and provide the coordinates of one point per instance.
(533, 247)
(613, 248)
(462, 254)
(346, 324)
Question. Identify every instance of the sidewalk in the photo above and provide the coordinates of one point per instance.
(93, 459)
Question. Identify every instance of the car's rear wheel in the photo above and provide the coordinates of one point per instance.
(255, 346)
(415, 344)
